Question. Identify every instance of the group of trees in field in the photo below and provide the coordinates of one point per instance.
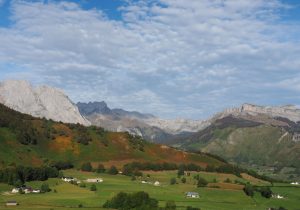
(135, 168)
(138, 201)
(62, 165)
(100, 169)
(19, 175)
(201, 182)
(265, 191)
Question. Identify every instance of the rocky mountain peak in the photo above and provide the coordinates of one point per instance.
(40, 101)
(94, 108)
(290, 112)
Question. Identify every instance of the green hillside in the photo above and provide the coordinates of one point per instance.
(30, 141)
(248, 143)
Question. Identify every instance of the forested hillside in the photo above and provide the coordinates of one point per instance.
(32, 141)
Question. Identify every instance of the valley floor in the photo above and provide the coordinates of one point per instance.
(217, 196)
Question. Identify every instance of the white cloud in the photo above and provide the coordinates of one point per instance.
(164, 56)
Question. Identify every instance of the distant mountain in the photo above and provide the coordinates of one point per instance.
(146, 125)
(101, 108)
(40, 101)
(251, 134)
(290, 112)
(93, 108)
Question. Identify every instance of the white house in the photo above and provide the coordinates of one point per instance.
(36, 191)
(156, 183)
(68, 179)
(15, 190)
(27, 191)
(295, 183)
(95, 180)
(11, 203)
(277, 196)
(192, 195)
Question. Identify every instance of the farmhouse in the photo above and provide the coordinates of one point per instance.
(25, 189)
(192, 195)
(95, 180)
(277, 196)
(15, 190)
(68, 179)
(295, 183)
(11, 203)
(36, 191)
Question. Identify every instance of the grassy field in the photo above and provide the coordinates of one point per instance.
(227, 196)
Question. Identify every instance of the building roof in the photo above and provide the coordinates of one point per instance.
(11, 201)
(192, 193)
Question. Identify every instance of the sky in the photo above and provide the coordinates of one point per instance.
(171, 58)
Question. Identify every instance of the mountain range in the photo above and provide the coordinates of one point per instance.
(148, 126)
(249, 134)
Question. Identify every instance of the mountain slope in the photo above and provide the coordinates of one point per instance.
(32, 141)
(245, 139)
(41, 101)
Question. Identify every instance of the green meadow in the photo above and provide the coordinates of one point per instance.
(217, 196)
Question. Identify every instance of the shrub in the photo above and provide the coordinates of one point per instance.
(173, 181)
(180, 171)
(100, 168)
(202, 182)
(170, 205)
(82, 185)
(183, 180)
(93, 187)
(266, 192)
(113, 170)
(86, 167)
(45, 188)
(249, 190)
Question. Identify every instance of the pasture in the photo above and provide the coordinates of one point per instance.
(219, 195)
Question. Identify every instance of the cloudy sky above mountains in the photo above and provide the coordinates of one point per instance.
(172, 58)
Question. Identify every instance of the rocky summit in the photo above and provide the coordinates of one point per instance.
(290, 112)
(40, 101)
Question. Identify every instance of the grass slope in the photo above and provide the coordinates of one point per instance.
(253, 144)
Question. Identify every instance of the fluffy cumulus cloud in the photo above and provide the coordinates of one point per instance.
(173, 58)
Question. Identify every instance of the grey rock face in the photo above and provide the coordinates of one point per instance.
(42, 101)
(290, 112)
(94, 108)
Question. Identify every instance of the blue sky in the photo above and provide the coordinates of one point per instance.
(167, 57)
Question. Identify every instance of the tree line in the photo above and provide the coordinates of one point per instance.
(137, 201)
(17, 176)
